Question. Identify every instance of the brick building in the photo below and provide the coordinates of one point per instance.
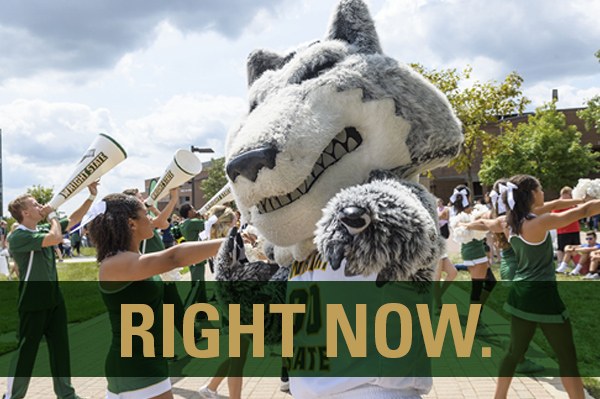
(445, 179)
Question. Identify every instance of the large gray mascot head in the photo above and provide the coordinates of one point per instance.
(321, 118)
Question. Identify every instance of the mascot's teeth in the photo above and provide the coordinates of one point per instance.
(345, 142)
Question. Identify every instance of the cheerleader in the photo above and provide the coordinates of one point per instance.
(474, 256)
(533, 299)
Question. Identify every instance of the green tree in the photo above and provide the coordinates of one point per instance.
(543, 147)
(477, 105)
(41, 194)
(591, 115)
(216, 178)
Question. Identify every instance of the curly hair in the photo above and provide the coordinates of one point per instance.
(110, 232)
(225, 215)
(524, 200)
(458, 203)
(500, 239)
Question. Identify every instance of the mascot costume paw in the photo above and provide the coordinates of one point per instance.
(324, 165)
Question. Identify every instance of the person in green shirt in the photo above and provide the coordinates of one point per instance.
(534, 298)
(191, 227)
(155, 244)
(126, 276)
(41, 306)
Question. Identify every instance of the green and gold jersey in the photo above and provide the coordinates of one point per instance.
(37, 267)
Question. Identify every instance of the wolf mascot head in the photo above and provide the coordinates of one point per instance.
(323, 118)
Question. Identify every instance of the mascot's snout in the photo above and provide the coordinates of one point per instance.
(355, 219)
(250, 163)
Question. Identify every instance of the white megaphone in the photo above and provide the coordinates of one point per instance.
(103, 155)
(224, 195)
(182, 168)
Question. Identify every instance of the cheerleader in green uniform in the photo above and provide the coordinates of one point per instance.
(474, 256)
(496, 223)
(119, 224)
(533, 298)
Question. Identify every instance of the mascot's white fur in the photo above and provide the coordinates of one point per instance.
(326, 157)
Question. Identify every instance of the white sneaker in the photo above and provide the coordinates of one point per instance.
(595, 276)
(574, 273)
(588, 276)
(284, 385)
(207, 393)
(561, 269)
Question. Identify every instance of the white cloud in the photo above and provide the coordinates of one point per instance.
(164, 79)
(539, 39)
(43, 141)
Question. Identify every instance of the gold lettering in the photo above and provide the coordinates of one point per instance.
(128, 330)
(449, 314)
(357, 345)
(381, 330)
(257, 329)
(87, 171)
(287, 325)
(212, 334)
(168, 330)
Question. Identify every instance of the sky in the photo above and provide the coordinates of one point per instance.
(158, 76)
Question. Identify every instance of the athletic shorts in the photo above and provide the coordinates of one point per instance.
(143, 393)
(475, 261)
(568, 239)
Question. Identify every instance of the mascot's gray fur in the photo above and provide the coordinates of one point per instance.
(335, 135)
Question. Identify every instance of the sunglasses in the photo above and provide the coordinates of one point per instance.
(589, 238)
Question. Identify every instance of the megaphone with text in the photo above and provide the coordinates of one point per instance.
(184, 166)
(101, 156)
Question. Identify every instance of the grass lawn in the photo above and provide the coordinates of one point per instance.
(79, 288)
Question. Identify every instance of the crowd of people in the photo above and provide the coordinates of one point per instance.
(520, 221)
(141, 250)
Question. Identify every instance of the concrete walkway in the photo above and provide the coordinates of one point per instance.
(268, 387)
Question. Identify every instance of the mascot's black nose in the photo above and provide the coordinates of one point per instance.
(355, 219)
(250, 163)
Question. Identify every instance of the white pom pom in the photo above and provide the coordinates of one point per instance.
(587, 187)
(461, 234)
(479, 210)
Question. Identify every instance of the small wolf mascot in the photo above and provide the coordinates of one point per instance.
(324, 165)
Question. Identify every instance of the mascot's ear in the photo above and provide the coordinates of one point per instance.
(261, 60)
(351, 22)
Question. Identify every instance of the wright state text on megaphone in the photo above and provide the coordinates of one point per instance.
(103, 155)
(224, 195)
(182, 168)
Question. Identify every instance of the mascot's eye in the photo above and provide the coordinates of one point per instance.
(317, 70)
(253, 105)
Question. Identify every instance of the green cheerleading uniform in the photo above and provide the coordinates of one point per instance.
(171, 294)
(191, 228)
(153, 244)
(472, 250)
(42, 313)
(127, 374)
(508, 264)
(534, 294)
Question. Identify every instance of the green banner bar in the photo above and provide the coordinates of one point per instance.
(377, 332)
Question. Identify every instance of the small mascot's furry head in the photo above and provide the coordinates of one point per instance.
(386, 226)
(322, 118)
